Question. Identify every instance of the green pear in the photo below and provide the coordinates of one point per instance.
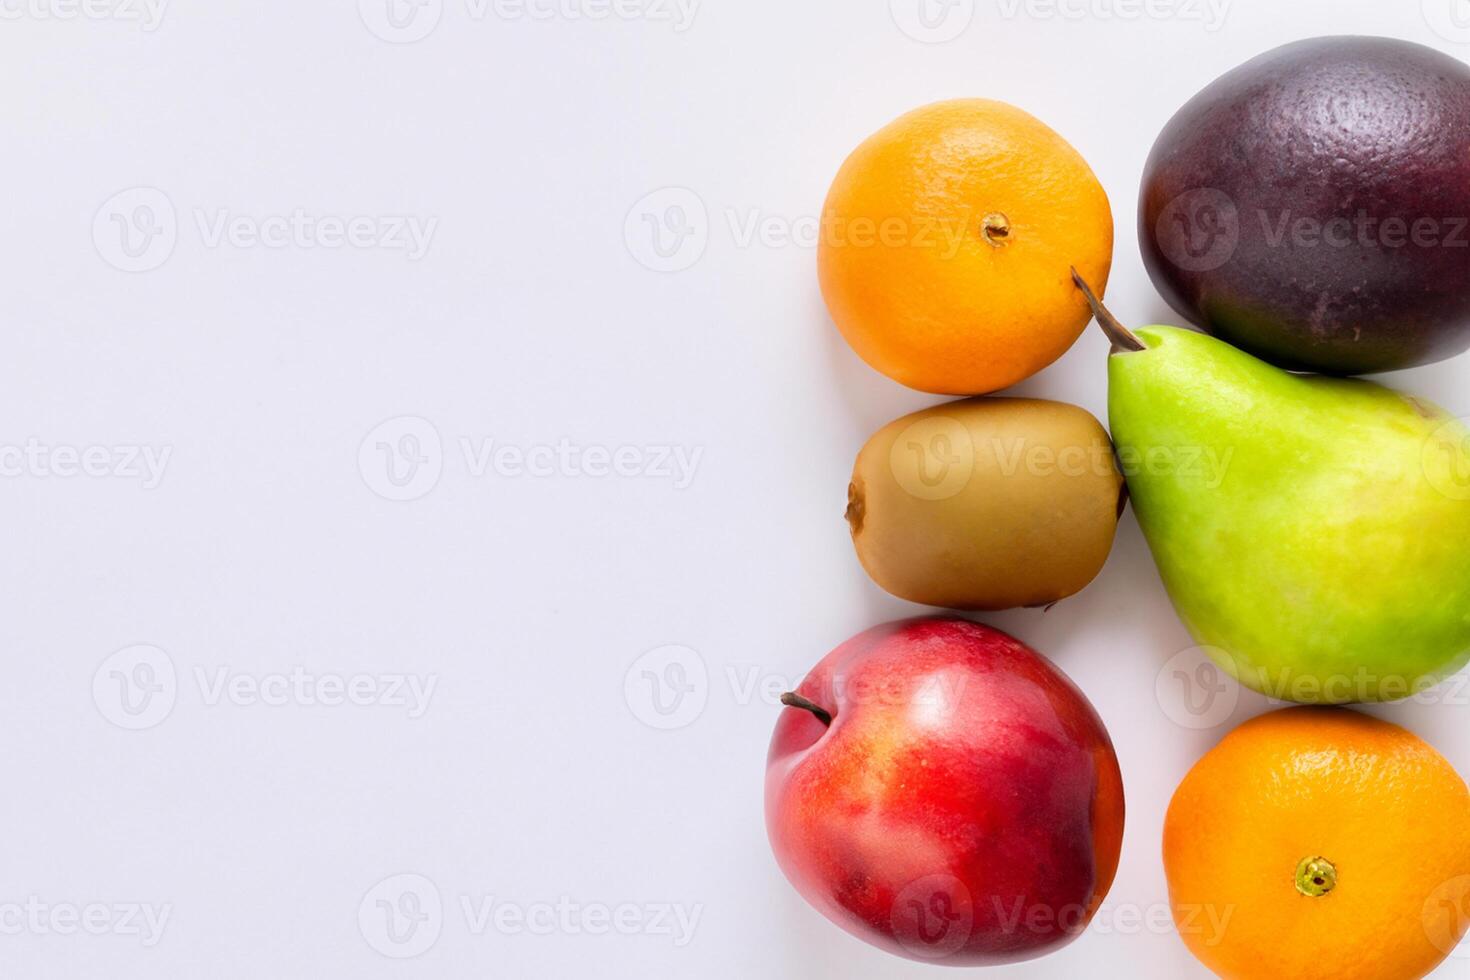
(1313, 533)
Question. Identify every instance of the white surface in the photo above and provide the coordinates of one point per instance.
(532, 775)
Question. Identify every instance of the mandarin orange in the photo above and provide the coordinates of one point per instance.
(1319, 842)
(947, 244)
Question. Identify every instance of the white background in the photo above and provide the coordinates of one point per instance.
(537, 772)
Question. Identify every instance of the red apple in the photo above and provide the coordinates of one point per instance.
(940, 790)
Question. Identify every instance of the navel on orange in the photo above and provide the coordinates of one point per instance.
(1318, 842)
(947, 244)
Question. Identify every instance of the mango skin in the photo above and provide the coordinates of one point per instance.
(1326, 551)
(986, 503)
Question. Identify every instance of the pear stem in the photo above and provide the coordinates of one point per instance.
(1122, 338)
(793, 700)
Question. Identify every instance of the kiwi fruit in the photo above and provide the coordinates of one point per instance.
(986, 503)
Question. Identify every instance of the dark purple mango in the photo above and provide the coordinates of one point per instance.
(1313, 206)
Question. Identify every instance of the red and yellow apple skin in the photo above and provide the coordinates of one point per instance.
(964, 806)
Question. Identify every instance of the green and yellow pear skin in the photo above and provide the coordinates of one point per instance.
(1314, 532)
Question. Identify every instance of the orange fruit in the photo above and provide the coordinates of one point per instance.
(947, 244)
(1318, 842)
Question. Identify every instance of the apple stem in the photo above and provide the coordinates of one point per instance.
(793, 700)
(1122, 338)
